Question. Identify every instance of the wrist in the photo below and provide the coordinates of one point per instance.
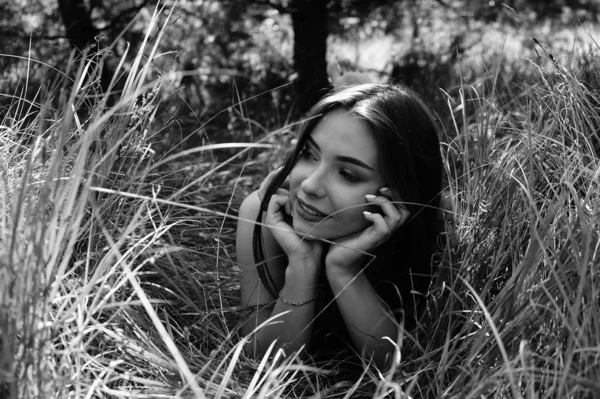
(302, 270)
(301, 280)
(297, 304)
(303, 261)
(343, 276)
(337, 270)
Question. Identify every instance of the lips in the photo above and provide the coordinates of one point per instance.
(309, 212)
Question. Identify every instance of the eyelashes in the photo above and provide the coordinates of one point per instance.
(308, 154)
(348, 176)
(345, 174)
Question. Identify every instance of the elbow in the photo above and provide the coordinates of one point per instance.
(275, 349)
(381, 354)
(257, 348)
(252, 349)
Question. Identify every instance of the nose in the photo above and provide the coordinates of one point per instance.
(314, 184)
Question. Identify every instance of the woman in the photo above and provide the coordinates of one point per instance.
(346, 228)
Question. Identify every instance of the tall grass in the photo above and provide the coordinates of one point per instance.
(515, 308)
(81, 223)
(114, 282)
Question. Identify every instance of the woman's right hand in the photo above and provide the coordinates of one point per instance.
(278, 219)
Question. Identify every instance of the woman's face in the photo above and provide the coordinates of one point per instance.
(328, 184)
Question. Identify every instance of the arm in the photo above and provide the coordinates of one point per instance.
(297, 277)
(365, 315)
(367, 318)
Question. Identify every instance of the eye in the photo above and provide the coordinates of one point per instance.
(348, 176)
(308, 154)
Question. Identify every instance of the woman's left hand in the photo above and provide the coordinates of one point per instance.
(348, 252)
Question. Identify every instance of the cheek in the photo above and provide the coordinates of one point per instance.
(352, 208)
(351, 221)
(353, 203)
(296, 177)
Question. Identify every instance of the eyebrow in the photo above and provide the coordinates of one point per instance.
(341, 158)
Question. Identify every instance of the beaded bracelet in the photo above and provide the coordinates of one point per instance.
(296, 303)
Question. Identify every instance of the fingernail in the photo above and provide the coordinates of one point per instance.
(383, 189)
(369, 196)
(367, 213)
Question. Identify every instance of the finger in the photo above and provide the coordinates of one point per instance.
(275, 209)
(391, 212)
(277, 202)
(386, 192)
(267, 182)
(379, 224)
(269, 179)
(404, 215)
(389, 194)
(288, 207)
(277, 224)
(283, 191)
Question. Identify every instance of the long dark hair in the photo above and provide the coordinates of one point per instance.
(409, 151)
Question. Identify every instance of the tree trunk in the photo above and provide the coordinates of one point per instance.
(81, 32)
(309, 21)
(78, 23)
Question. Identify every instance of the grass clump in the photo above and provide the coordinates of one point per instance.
(82, 226)
(117, 277)
(515, 308)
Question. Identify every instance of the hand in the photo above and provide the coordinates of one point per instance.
(278, 220)
(349, 251)
(267, 182)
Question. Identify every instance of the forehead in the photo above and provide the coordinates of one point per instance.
(344, 134)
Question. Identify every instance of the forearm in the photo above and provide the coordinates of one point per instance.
(365, 315)
(291, 326)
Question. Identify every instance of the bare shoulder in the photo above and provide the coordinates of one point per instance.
(252, 290)
(250, 206)
(245, 229)
(248, 215)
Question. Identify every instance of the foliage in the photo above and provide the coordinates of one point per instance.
(214, 45)
(117, 274)
(522, 253)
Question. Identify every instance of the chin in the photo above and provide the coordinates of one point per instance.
(316, 232)
(319, 232)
